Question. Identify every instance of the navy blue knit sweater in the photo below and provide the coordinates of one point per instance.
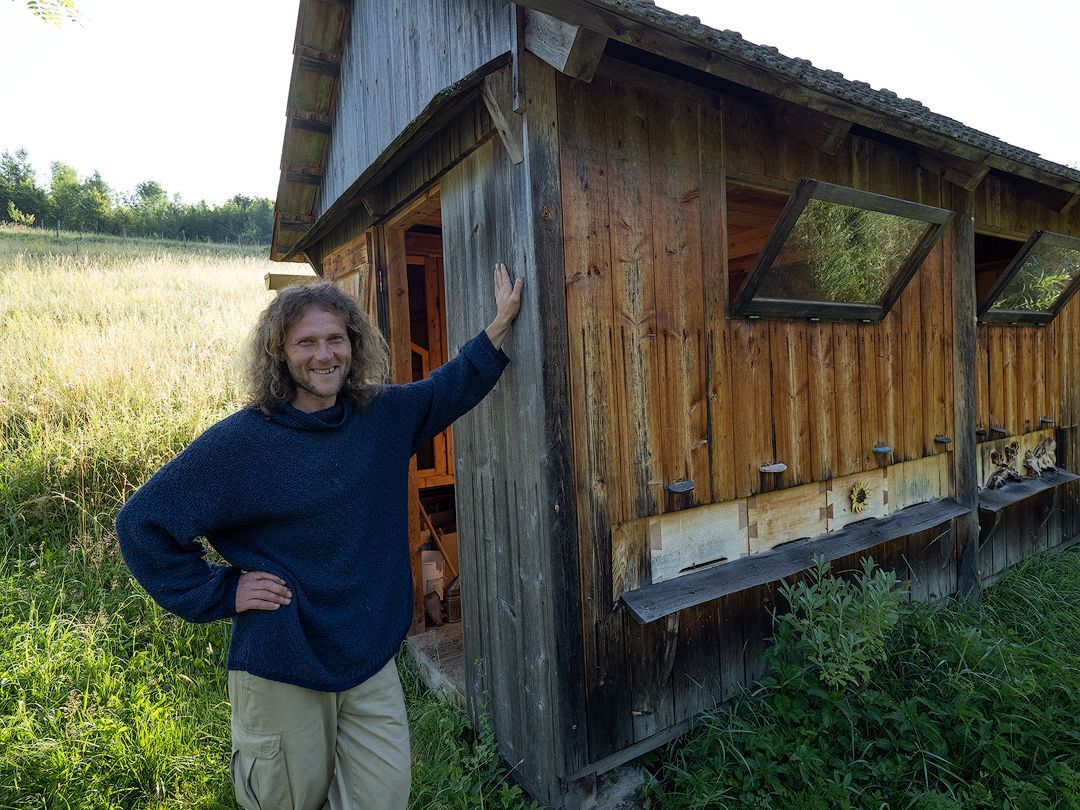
(320, 500)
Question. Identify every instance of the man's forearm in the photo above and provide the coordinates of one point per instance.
(497, 330)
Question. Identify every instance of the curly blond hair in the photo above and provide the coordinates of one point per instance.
(269, 382)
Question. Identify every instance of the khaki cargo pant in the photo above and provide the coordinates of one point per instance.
(298, 749)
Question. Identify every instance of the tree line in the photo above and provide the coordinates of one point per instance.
(89, 204)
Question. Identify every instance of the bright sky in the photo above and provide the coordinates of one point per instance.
(193, 94)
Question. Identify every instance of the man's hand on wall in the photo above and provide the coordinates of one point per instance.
(507, 304)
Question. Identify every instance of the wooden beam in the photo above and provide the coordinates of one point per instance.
(303, 177)
(965, 174)
(309, 115)
(331, 57)
(309, 124)
(570, 49)
(312, 171)
(965, 484)
(517, 57)
(835, 136)
(373, 203)
(294, 224)
(324, 66)
(1065, 209)
(497, 92)
(293, 216)
(826, 132)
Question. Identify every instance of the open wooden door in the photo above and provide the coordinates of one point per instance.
(416, 311)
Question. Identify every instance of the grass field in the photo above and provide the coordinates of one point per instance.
(113, 356)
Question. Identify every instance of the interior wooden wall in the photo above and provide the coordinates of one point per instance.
(665, 387)
(1025, 373)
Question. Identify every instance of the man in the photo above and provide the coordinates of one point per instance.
(305, 494)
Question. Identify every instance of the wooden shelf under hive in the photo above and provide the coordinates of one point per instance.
(652, 602)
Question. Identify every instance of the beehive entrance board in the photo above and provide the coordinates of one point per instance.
(703, 537)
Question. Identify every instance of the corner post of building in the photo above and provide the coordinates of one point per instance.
(965, 484)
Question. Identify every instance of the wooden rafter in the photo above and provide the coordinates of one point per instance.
(293, 168)
(334, 57)
(1065, 209)
(323, 66)
(570, 49)
(966, 174)
(498, 95)
(301, 177)
(309, 124)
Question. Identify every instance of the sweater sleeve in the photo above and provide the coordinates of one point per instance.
(158, 530)
(456, 387)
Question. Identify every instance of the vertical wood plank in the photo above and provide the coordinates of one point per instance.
(1051, 360)
(791, 413)
(847, 399)
(633, 279)
(821, 388)
(996, 364)
(696, 682)
(646, 409)
(751, 404)
(911, 337)
(933, 347)
(871, 391)
(952, 274)
(1010, 373)
(982, 382)
(675, 177)
(542, 223)
(597, 464)
(890, 376)
(1039, 377)
(1025, 405)
(714, 260)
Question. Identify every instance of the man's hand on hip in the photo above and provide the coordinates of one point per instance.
(258, 590)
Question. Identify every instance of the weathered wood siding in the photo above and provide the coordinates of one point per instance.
(665, 387)
(399, 56)
(1025, 373)
(514, 493)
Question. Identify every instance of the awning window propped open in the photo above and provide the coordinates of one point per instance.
(1037, 283)
(838, 253)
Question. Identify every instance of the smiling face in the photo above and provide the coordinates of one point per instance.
(318, 354)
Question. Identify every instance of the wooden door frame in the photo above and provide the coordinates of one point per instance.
(394, 294)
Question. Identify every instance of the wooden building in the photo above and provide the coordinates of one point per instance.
(769, 313)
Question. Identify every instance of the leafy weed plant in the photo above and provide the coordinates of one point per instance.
(967, 705)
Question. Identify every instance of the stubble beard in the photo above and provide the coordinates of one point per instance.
(300, 381)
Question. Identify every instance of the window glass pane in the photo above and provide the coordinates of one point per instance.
(1044, 274)
(842, 254)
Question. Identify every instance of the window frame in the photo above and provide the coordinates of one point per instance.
(986, 314)
(744, 303)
